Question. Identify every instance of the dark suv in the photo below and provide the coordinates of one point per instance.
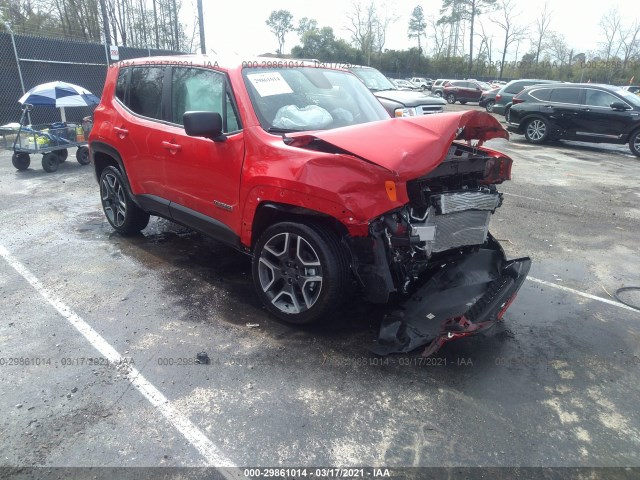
(300, 167)
(586, 112)
(510, 90)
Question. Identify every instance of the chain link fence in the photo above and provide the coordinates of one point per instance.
(30, 60)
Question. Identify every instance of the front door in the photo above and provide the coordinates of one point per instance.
(203, 176)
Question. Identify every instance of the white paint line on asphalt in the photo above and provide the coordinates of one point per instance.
(188, 429)
(583, 294)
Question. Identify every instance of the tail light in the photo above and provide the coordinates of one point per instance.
(517, 100)
(498, 97)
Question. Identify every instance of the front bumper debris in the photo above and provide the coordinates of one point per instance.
(464, 297)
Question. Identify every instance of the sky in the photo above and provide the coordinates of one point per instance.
(239, 26)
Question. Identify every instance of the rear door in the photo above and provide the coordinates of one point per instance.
(564, 109)
(138, 125)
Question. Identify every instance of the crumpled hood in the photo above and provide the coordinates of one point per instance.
(407, 147)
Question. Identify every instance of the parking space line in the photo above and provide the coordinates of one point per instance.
(583, 294)
(188, 429)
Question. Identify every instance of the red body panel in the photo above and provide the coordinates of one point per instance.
(253, 166)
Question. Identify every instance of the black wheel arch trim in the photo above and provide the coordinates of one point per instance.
(107, 149)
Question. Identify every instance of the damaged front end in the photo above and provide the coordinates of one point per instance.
(437, 253)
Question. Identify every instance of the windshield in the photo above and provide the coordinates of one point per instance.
(309, 98)
(632, 98)
(373, 79)
(484, 86)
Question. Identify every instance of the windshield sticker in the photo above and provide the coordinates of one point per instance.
(268, 84)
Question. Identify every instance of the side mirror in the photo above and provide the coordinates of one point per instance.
(204, 124)
(618, 106)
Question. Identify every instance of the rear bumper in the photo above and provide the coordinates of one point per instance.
(465, 296)
(499, 109)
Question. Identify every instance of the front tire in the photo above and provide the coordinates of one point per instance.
(451, 98)
(300, 271)
(124, 216)
(536, 131)
(21, 160)
(634, 143)
(50, 162)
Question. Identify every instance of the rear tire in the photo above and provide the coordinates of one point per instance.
(507, 114)
(82, 156)
(21, 160)
(438, 94)
(463, 102)
(536, 131)
(300, 271)
(489, 106)
(634, 143)
(124, 216)
(50, 162)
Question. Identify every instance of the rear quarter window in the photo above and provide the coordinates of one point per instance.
(121, 84)
(515, 88)
(541, 94)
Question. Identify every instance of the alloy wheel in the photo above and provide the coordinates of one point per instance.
(290, 273)
(113, 200)
(536, 130)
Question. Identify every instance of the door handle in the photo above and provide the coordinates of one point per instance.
(122, 132)
(172, 147)
(547, 106)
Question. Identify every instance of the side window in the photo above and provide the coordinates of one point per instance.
(121, 85)
(541, 94)
(565, 95)
(515, 88)
(198, 89)
(145, 91)
(598, 98)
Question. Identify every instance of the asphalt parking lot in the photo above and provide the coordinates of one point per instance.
(556, 384)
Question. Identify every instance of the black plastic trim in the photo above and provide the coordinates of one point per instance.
(204, 224)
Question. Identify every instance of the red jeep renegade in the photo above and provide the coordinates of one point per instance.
(299, 165)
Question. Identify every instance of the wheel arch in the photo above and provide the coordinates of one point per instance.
(102, 156)
(268, 212)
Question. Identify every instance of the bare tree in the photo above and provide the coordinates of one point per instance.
(280, 23)
(541, 28)
(362, 26)
(486, 44)
(557, 47)
(439, 33)
(507, 21)
(610, 24)
(630, 43)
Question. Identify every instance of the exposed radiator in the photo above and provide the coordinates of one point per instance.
(461, 201)
(461, 228)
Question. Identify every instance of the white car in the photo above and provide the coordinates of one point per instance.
(423, 83)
